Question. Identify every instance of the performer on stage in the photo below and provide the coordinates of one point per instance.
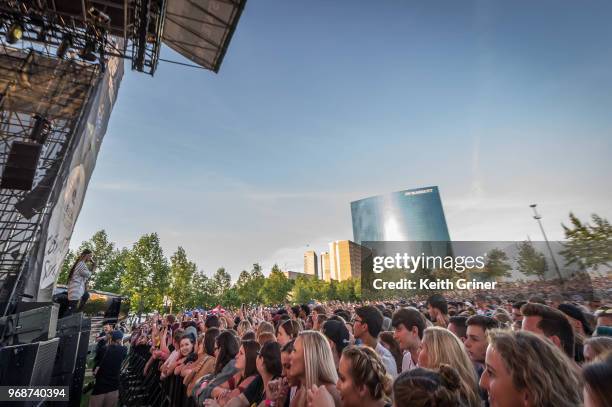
(77, 281)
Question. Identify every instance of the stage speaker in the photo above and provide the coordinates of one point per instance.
(38, 324)
(20, 168)
(30, 364)
(70, 362)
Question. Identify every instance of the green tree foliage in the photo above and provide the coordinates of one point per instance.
(588, 245)
(104, 252)
(147, 274)
(149, 279)
(68, 260)
(347, 290)
(304, 290)
(222, 281)
(202, 294)
(231, 298)
(497, 265)
(249, 284)
(530, 261)
(109, 278)
(276, 288)
(308, 289)
(182, 272)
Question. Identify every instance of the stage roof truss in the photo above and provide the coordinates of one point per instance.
(199, 30)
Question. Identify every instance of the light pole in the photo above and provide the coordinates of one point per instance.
(537, 217)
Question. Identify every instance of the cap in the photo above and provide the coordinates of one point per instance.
(575, 312)
(116, 335)
(336, 331)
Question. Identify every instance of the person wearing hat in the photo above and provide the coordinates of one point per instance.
(582, 328)
(576, 318)
(338, 337)
(106, 390)
(604, 316)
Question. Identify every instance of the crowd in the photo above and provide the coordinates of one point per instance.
(433, 353)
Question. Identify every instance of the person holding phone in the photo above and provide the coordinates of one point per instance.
(77, 281)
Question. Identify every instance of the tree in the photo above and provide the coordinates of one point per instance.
(276, 287)
(588, 246)
(182, 272)
(202, 294)
(231, 298)
(346, 290)
(66, 266)
(530, 261)
(222, 282)
(496, 265)
(147, 274)
(109, 278)
(249, 284)
(302, 291)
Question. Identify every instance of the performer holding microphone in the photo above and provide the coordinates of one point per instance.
(77, 281)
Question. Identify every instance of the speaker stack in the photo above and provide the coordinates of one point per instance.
(70, 362)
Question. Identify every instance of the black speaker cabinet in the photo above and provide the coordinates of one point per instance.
(20, 168)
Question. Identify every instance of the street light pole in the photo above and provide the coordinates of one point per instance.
(537, 217)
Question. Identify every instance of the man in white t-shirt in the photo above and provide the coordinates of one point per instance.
(408, 326)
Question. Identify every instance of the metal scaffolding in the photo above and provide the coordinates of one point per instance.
(34, 84)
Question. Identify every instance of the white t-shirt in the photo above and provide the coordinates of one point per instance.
(387, 359)
(407, 362)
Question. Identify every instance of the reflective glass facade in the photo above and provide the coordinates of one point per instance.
(409, 215)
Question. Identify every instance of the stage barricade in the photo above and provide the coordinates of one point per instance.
(139, 389)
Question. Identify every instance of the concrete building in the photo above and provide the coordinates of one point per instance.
(310, 263)
(345, 259)
(292, 275)
(325, 267)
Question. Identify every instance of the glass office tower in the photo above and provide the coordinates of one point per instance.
(410, 215)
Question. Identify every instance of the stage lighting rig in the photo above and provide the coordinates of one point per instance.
(14, 33)
(40, 129)
(87, 53)
(100, 18)
(64, 46)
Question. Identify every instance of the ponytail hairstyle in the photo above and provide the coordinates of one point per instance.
(367, 369)
(83, 253)
(424, 387)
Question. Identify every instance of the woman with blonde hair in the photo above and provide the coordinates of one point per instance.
(596, 346)
(526, 370)
(312, 364)
(362, 381)
(243, 327)
(440, 346)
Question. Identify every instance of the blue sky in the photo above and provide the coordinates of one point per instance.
(319, 103)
